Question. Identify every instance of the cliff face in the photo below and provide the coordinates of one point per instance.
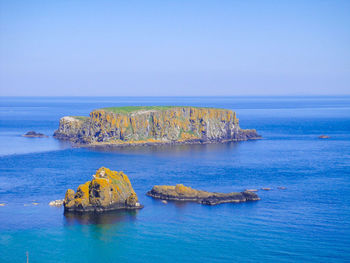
(185, 193)
(150, 125)
(108, 190)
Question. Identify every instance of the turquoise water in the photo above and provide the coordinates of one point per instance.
(307, 222)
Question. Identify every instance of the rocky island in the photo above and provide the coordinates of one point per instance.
(184, 193)
(147, 125)
(108, 190)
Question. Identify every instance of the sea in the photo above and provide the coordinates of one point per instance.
(308, 221)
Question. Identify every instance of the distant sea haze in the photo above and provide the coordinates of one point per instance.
(308, 220)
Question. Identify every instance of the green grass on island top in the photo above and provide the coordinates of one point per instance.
(129, 109)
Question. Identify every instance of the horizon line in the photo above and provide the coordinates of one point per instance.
(169, 96)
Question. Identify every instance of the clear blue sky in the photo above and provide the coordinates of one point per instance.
(174, 48)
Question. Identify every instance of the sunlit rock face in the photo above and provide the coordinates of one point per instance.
(152, 125)
(180, 192)
(108, 190)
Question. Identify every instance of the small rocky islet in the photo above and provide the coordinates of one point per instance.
(150, 125)
(108, 190)
(183, 193)
(324, 136)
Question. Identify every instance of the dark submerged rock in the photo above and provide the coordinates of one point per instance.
(33, 134)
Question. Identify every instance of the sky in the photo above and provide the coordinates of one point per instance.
(174, 48)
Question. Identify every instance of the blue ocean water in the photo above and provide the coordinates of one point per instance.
(307, 222)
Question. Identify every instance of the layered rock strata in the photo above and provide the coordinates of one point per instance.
(152, 125)
(184, 193)
(108, 190)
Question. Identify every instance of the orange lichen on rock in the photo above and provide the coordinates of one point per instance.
(187, 136)
(69, 198)
(82, 195)
(108, 190)
(185, 190)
